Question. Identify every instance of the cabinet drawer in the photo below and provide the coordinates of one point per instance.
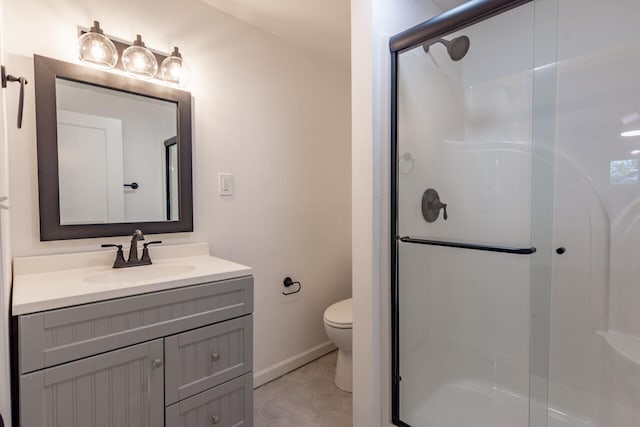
(229, 404)
(53, 337)
(119, 388)
(203, 358)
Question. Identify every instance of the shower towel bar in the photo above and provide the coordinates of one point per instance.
(503, 249)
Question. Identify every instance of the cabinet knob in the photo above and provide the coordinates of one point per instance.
(215, 357)
(215, 419)
(156, 363)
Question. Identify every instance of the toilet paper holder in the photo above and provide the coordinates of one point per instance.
(288, 282)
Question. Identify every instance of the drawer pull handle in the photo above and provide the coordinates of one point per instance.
(215, 419)
(215, 357)
(156, 363)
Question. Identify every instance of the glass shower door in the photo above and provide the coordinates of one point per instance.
(594, 369)
(463, 192)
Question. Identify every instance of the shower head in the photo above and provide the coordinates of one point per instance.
(456, 48)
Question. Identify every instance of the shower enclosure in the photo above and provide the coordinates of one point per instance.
(516, 216)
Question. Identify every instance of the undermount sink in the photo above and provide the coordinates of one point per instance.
(139, 274)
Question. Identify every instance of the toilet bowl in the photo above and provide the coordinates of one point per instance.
(338, 322)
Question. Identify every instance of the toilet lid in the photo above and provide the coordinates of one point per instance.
(340, 314)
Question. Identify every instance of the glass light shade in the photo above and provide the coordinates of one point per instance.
(96, 49)
(139, 61)
(175, 70)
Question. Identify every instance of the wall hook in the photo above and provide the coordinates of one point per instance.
(407, 160)
(289, 282)
(9, 78)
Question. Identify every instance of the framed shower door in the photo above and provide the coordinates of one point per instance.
(463, 182)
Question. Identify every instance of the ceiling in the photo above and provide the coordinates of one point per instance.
(319, 26)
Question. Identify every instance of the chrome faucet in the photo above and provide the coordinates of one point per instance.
(133, 252)
(133, 249)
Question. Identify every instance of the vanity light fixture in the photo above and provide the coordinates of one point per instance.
(96, 48)
(139, 61)
(175, 70)
(102, 51)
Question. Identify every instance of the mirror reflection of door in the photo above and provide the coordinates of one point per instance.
(171, 174)
(146, 123)
(90, 168)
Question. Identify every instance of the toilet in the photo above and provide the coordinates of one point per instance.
(338, 322)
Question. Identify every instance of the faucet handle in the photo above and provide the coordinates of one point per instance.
(107, 245)
(146, 259)
(119, 262)
(155, 242)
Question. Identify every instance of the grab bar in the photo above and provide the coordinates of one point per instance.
(502, 249)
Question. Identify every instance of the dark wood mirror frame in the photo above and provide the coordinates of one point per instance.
(46, 72)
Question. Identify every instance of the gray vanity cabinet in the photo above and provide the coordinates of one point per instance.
(119, 388)
(230, 404)
(202, 358)
(184, 354)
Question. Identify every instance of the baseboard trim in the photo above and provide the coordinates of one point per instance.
(288, 365)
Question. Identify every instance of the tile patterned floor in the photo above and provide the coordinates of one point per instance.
(304, 397)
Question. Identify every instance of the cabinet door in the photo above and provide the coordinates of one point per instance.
(116, 389)
(205, 357)
(227, 405)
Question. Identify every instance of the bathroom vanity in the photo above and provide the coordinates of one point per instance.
(169, 344)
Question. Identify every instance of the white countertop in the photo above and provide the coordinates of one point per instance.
(55, 281)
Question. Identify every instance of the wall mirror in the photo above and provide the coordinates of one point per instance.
(114, 153)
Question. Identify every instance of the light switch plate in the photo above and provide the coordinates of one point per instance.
(225, 184)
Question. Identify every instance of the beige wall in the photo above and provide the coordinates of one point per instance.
(273, 115)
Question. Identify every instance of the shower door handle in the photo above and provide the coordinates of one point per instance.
(461, 245)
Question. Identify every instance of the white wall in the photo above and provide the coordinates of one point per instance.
(367, 367)
(8, 95)
(274, 116)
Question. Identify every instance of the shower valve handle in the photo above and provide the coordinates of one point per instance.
(437, 205)
(431, 206)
